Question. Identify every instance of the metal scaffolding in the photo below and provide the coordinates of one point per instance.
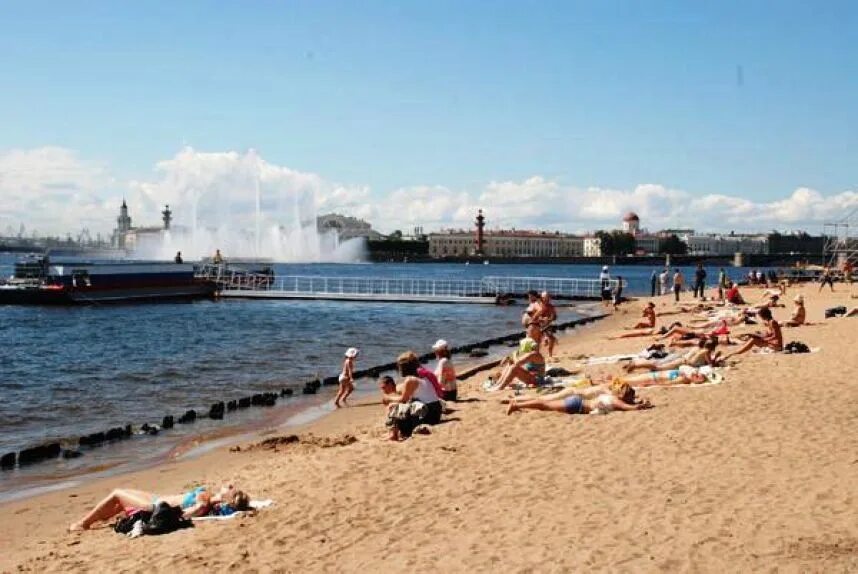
(841, 241)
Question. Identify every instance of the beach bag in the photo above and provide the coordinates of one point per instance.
(166, 519)
(795, 347)
(126, 524)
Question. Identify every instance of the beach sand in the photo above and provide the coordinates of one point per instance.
(757, 474)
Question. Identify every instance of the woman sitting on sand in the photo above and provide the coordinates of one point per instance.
(528, 364)
(799, 315)
(404, 415)
(772, 339)
(196, 502)
(445, 372)
(620, 398)
(702, 355)
(648, 314)
(733, 296)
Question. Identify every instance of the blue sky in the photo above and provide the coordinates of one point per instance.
(746, 99)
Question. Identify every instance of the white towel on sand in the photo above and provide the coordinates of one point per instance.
(254, 505)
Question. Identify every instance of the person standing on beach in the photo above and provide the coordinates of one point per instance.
(722, 284)
(653, 283)
(678, 282)
(618, 292)
(699, 281)
(347, 378)
(826, 279)
(605, 284)
(663, 280)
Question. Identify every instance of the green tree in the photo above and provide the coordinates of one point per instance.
(673, 245)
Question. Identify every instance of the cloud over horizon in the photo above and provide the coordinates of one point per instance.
(54, 190)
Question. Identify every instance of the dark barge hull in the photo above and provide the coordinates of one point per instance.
(84, 296)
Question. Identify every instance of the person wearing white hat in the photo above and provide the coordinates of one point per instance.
(347, 377)
(799, 315)
(445, 371)
(605, 284)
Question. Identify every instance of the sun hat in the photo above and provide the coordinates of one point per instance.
(544, 294)
(439, 344)
(604, 267)
(799, 298)
(352, 352)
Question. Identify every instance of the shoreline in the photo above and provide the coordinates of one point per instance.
(286, 415)
(738, 473)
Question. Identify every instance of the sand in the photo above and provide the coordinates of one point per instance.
(757, 474)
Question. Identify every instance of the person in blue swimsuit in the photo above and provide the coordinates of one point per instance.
(198, 501)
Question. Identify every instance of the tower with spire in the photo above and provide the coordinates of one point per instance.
(480, 222)
(123, 225)
(166, 217)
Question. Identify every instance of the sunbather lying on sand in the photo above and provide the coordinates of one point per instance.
(771, 339)
(689, 337)
(197, 502)
(704, 354)
(683, 375)
(620, 398)
(644, 332)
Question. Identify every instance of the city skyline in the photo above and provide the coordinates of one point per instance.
(552, 115)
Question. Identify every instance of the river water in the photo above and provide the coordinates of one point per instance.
(69, 371)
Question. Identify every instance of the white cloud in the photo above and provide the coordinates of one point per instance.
(52, 190)
(55, 190)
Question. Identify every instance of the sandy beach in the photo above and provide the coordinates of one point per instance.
(759, 473)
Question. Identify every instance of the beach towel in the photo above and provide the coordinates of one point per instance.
(609, 359)
(254, 506)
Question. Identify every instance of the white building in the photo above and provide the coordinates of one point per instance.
(592, 246)
(631, 223)
(506, 243)
(727, 244)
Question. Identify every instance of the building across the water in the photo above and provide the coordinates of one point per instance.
(347, 227)
(503, 242)
(128, 237)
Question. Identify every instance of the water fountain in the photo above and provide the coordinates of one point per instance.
(249, 209)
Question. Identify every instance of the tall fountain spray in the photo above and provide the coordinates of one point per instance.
(246, 208)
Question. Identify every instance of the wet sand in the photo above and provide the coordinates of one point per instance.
(759, 473)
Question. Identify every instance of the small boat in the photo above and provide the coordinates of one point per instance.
(39, 280)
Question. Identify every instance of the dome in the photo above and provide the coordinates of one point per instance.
(631, 216)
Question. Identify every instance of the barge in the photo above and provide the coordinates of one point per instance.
(41, 280)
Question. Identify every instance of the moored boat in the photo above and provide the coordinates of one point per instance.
(41, 280)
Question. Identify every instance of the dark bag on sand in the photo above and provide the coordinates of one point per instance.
(126, 524)
(796, 347)
(166, 519)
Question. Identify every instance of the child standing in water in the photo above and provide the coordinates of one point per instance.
(347, 377)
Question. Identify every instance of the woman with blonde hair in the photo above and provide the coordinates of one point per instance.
(198, 501)
(620, 397)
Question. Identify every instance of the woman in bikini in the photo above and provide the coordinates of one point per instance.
(621, 397)
(196, 502)
(528, 364)
(704, 354)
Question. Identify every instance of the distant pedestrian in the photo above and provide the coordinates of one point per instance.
(664, 281)
(178, 258)
(722, 284)
(699, 280)
(653, 283)
(218, 258)
(605, 284)
(347, 377)
(618, 292)
(826, 279)
(678, 282)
